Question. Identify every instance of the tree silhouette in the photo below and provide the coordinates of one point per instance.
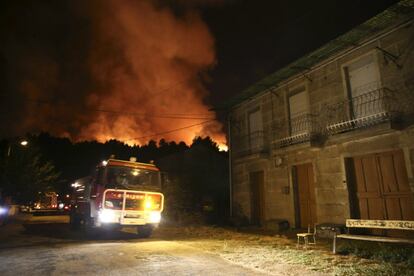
(198, 173)
(25, 173)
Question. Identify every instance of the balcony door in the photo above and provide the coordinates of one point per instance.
(299, 122)
(363, 83)
(255, 130)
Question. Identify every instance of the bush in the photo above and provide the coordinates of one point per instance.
(379, 251)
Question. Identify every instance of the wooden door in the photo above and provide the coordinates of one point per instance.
(306, 200)
(257, 203)
(395, 189)
(382, 188)
(368, 193)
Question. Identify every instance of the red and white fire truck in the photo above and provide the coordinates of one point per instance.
(45, 201)
(119, 194)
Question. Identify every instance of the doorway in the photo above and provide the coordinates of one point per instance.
(257, 202)
(305, 199)
(380, 188)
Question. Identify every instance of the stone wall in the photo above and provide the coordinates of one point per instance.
(325, 85)
(329, 172)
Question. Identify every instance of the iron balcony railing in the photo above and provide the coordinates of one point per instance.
(255, 142)
(368, 109)
(365, 110)
(296, 130)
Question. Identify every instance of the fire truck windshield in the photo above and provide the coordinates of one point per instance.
(120, 177)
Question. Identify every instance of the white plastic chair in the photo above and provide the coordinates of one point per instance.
(306, 236)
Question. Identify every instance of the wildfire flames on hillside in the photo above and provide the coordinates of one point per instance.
(141, 77)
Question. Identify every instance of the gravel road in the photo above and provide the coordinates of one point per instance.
(46, 246)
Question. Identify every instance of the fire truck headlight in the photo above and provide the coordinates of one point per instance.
(155, 217)
(3, 210)
(148, 204)
(107, 216)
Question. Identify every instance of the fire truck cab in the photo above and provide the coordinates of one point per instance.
(119, 194)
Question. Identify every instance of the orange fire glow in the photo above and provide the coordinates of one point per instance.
(147, 64)
(157, 72)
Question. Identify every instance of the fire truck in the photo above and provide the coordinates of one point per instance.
(45, 201)
(119, 194)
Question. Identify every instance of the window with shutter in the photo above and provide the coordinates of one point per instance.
(255, 129)
(364, 87)
(299, 122)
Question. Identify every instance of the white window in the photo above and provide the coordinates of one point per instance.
(255, 129)
(363, 76)
(255, 121)
(364, 87)
(299, 111)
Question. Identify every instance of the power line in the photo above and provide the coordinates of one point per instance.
(169, 131)
(164, 116)
(177, 84)
(161, 116)
(169, 116)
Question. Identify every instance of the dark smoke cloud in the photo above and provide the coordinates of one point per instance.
(64, 59)
(196, 3)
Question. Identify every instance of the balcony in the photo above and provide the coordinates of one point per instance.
(300, 129)
(365, 110)
(252, 143)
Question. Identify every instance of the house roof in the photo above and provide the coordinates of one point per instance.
(398, 13)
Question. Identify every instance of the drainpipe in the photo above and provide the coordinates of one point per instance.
(230, 164)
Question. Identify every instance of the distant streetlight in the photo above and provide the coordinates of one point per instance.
(23, 143)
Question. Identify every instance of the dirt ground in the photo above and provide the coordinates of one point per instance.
(274, 254)
(46, 246)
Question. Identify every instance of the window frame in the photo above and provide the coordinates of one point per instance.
(346, 84)
(297, 89)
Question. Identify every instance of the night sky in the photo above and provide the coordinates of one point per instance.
(139, 70)
(256, 38)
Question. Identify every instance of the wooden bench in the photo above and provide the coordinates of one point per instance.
(376, 224)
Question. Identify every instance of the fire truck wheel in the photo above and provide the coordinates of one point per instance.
(87, 225)
(144, 231)
(74, 221)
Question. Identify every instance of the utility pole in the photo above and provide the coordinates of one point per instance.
(230, 164)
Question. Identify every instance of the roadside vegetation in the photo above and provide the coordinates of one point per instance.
(273, 253)
(24, 172)
(196, 186)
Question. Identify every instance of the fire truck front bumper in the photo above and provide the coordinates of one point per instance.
(115, 217)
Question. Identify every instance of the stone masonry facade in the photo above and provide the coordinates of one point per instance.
(278, 152)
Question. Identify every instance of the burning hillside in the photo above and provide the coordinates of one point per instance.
(126, 70)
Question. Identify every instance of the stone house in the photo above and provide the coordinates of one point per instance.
(331, 136)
